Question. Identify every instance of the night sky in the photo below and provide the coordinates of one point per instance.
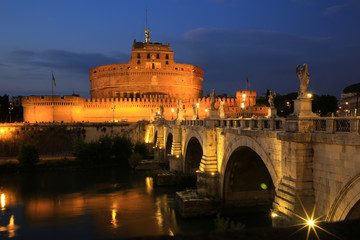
(229, 39)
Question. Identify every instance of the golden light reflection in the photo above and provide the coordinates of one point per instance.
(149, 184)
(113, 218)
(3, 201)
(309, 95)
(11, 228)
(311, 223)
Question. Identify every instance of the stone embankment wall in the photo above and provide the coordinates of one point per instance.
(59, 139)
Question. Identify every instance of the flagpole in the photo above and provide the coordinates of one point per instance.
(52, 94)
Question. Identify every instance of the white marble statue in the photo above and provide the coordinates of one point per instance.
(272, 96)
(304, 77)
(152, 117)
(213, 99)
(179, 112)
(221, 109)
(162, 111)
(194, 117)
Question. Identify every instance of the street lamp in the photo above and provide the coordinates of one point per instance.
(206, 110)
(113, 109)
(10, 109)
(172, 113)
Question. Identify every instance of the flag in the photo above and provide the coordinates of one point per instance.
(53, 79)
(247, 82)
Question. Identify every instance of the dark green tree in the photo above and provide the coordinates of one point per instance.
(28, 155)
(324, 104)
(4, 108)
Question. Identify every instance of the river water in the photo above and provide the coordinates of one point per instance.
(102, 204)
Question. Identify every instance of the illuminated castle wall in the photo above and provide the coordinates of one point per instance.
(151, 71)
(130, 91)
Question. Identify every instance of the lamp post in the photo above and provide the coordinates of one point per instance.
(113, 109)
(172, 113)
(10, 109)
(197, 110)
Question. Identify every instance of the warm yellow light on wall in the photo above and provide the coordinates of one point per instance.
(242, 105)
(244, 95)
(3, 201)
(2, 130)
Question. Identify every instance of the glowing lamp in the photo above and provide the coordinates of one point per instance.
(274, 214)
(177, 156)
(197, 105)
(212, 173)
(206, 109)
(244, 95)
(2, 130)
(310, 223)
(309, 95)
(172, 109)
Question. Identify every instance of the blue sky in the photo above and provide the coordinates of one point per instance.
(229, 39)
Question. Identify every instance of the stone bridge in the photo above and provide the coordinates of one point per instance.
(281, 163)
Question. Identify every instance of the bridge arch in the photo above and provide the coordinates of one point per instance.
(168, 145)
(193, 152)
(347, 203)
(247, 148)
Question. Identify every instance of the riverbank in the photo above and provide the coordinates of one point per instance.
(340, 230)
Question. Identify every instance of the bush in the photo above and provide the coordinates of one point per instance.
(122, 148)
(28, 155)
(106, 149)
(134, 159)
(141, 149)
(223, 224)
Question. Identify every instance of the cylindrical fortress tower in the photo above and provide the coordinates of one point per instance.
(151, 71)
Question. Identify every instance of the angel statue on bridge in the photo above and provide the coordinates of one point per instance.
(304, 77)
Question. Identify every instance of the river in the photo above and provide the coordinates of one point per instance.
(97, 204)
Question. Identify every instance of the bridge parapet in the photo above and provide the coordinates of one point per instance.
(313, 125)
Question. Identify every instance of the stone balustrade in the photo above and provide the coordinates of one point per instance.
(318, 124)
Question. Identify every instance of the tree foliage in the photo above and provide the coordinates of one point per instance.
(354, 88)
(28, 155)
(107, 149)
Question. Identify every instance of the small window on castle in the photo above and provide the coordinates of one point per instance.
(94, 72)
(148, 55)
(114, 68)
(138, 61)
(167, 56)
(157, 56)
(153, 66)
(182, 69)
(128, 67)
(175, 68)
(167, 62)
(138, 55)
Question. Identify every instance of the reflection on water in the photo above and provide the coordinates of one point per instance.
(106, 204)
(89, 205)
(3, 201)
(10, 228)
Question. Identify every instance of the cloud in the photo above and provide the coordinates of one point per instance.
(64, 60)
(334, 9)
(30, 71)
(269, 58)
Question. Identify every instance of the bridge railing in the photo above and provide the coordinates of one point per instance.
(337, 125)
(318, 124)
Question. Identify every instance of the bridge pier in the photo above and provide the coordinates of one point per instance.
(175, 159)
(159, 150)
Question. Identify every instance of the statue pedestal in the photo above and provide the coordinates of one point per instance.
(272, 112)
(213, 114)
(303, 108)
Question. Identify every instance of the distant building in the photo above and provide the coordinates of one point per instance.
(348, 102)
(132, 91)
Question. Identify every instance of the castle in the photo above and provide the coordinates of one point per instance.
(151, 82)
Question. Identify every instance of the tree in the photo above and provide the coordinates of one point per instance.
(354, 88)
(324, 104)
(4, 106)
